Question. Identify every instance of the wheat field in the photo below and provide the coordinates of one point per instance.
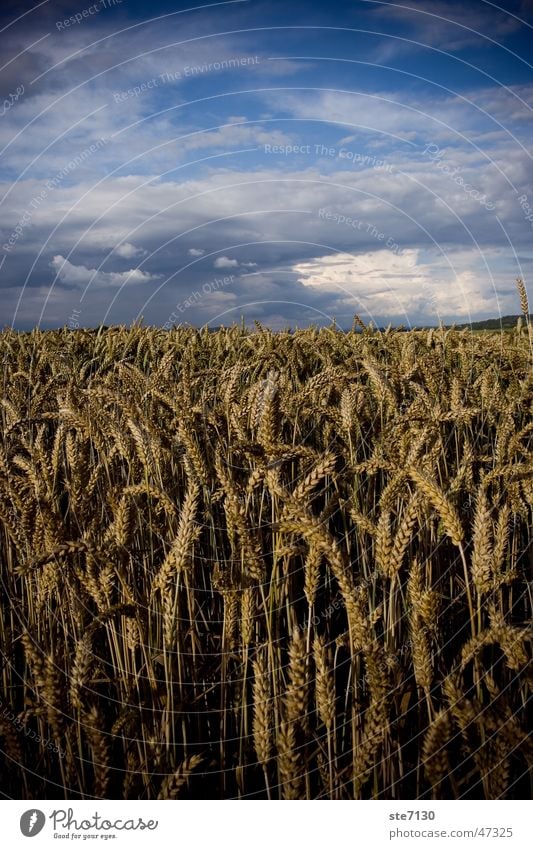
(256, 564)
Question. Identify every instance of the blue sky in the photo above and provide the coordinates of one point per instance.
(288, 162)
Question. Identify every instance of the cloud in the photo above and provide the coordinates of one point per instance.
(387, 284)
(171, 175)
(128, 251)
(400, 118)
(80, 276)
(287, 236)
(225, 262)
(234, 136)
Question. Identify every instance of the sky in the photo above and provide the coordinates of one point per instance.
(293, 163)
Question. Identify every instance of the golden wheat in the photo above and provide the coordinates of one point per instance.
(246, 564)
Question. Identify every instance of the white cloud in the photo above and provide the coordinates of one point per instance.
(384, 283)
(225, 262)
(196, 252)
(80, 275)
(235, 136)
(409, 116)
(127, 250)
(285, 232)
